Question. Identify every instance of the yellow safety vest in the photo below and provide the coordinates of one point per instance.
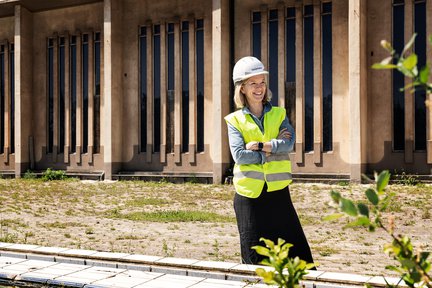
(249, 179)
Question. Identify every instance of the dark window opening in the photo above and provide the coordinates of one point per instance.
(50, 95)
(256, 34)
(308, 76)
(290, 65)
(327, 79)
(85, 83)
(143, 88)
(73, 91)
(273, 59)
(156, 88)
(97, 96)
(62, 73)
(199, 52)
(185, 85)
(170, 89)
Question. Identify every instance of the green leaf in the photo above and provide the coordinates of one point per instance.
(261, 250)
(372, 196)
(333, 217)
(384, 66)
(410, 62)
(409, 44)
(363, 209)
(269, 243)
(382, 181)
(360, 221)
(408, 263)
(424, 74)
(348, 207)
(336, 196)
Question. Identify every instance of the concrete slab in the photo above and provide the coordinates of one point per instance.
(109, 255)
(172, 281)
(77, 253)
(345, 278)
(23, 248)
(213, 265)
(177, 261)
(5, 261)
(380, 281)
(215, 283)
(50, 250)
(142, 258)
(125, 280)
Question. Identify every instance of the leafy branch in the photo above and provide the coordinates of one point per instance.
(406, 63)
(414, 266)
(287, 272)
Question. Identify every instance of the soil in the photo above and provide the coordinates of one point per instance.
(97, 216)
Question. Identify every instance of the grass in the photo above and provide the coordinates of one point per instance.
(172, 216)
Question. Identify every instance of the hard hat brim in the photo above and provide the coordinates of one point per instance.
(251, 75)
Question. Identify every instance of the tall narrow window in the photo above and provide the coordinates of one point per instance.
(50, 95)
(2, 97)
(143, 88)
(200, 83)
(273, 55)
(420, 95)
(290, 65)
(156, 87)
(170, 88)
(327, 79)
(12, 100)
(308, 76)
(256, 34)
(185, 85)
(398, 78)
(97, 89)
(73, 91)
(85, 96)
(62, 73)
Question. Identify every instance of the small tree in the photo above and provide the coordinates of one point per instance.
(414, 266)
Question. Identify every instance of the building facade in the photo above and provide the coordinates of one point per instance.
(140, 86)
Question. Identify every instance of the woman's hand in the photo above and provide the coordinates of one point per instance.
(284, 134)
(252, 146)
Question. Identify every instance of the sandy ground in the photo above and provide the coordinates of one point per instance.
(88, 215)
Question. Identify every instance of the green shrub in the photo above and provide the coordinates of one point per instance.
(50, 175)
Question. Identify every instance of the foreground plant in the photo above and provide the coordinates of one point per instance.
(287, 272)
(414, 266)
(406, 63)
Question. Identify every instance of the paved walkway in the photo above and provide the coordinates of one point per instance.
(22, 264)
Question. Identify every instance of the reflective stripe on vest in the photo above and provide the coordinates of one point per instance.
(249, 179)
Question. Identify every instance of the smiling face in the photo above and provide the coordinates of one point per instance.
(255, 89)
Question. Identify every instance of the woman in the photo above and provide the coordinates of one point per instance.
(260, 139)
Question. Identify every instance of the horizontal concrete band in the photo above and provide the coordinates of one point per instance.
(88, 268)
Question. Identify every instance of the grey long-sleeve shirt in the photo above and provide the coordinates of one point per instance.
(238, 146)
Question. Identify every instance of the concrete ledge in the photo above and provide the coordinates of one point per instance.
(86, 268)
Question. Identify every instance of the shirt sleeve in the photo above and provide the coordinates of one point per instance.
(284, 145)
(238, 151)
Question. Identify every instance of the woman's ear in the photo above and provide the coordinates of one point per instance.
(242, 90)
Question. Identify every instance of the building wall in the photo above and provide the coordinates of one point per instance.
(362, 114)
(55, 23)
(157, 13)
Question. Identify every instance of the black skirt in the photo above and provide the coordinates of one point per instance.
(272, 216)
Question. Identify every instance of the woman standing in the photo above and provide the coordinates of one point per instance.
(260, 139)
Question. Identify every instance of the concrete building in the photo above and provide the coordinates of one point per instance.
(141, 86)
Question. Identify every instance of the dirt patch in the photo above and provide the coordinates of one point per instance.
(111, 216)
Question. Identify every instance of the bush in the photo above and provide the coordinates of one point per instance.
(50, 175)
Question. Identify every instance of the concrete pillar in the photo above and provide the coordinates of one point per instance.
(221, 85)
(299, 101)
(409, 97)
(192, 94)
(23, 87)
(112, 74)
(357, 70)
(318, 97)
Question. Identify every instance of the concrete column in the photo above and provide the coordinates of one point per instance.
(7, 99)
(163, 94)
(429, 97)
(112, 104)
(177, 95)
(192, 93)
(264, 35)
(409, 97)
(318, 119)
(299, 145)
(221, 84)
(67, 99)
(91, 92)
(23, 87)
(357, 68)
(79, 100)
(150, 125)
(281, 54)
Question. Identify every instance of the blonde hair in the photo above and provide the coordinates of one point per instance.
(240, 98)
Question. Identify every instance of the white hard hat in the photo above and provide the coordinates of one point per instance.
(247, 67)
